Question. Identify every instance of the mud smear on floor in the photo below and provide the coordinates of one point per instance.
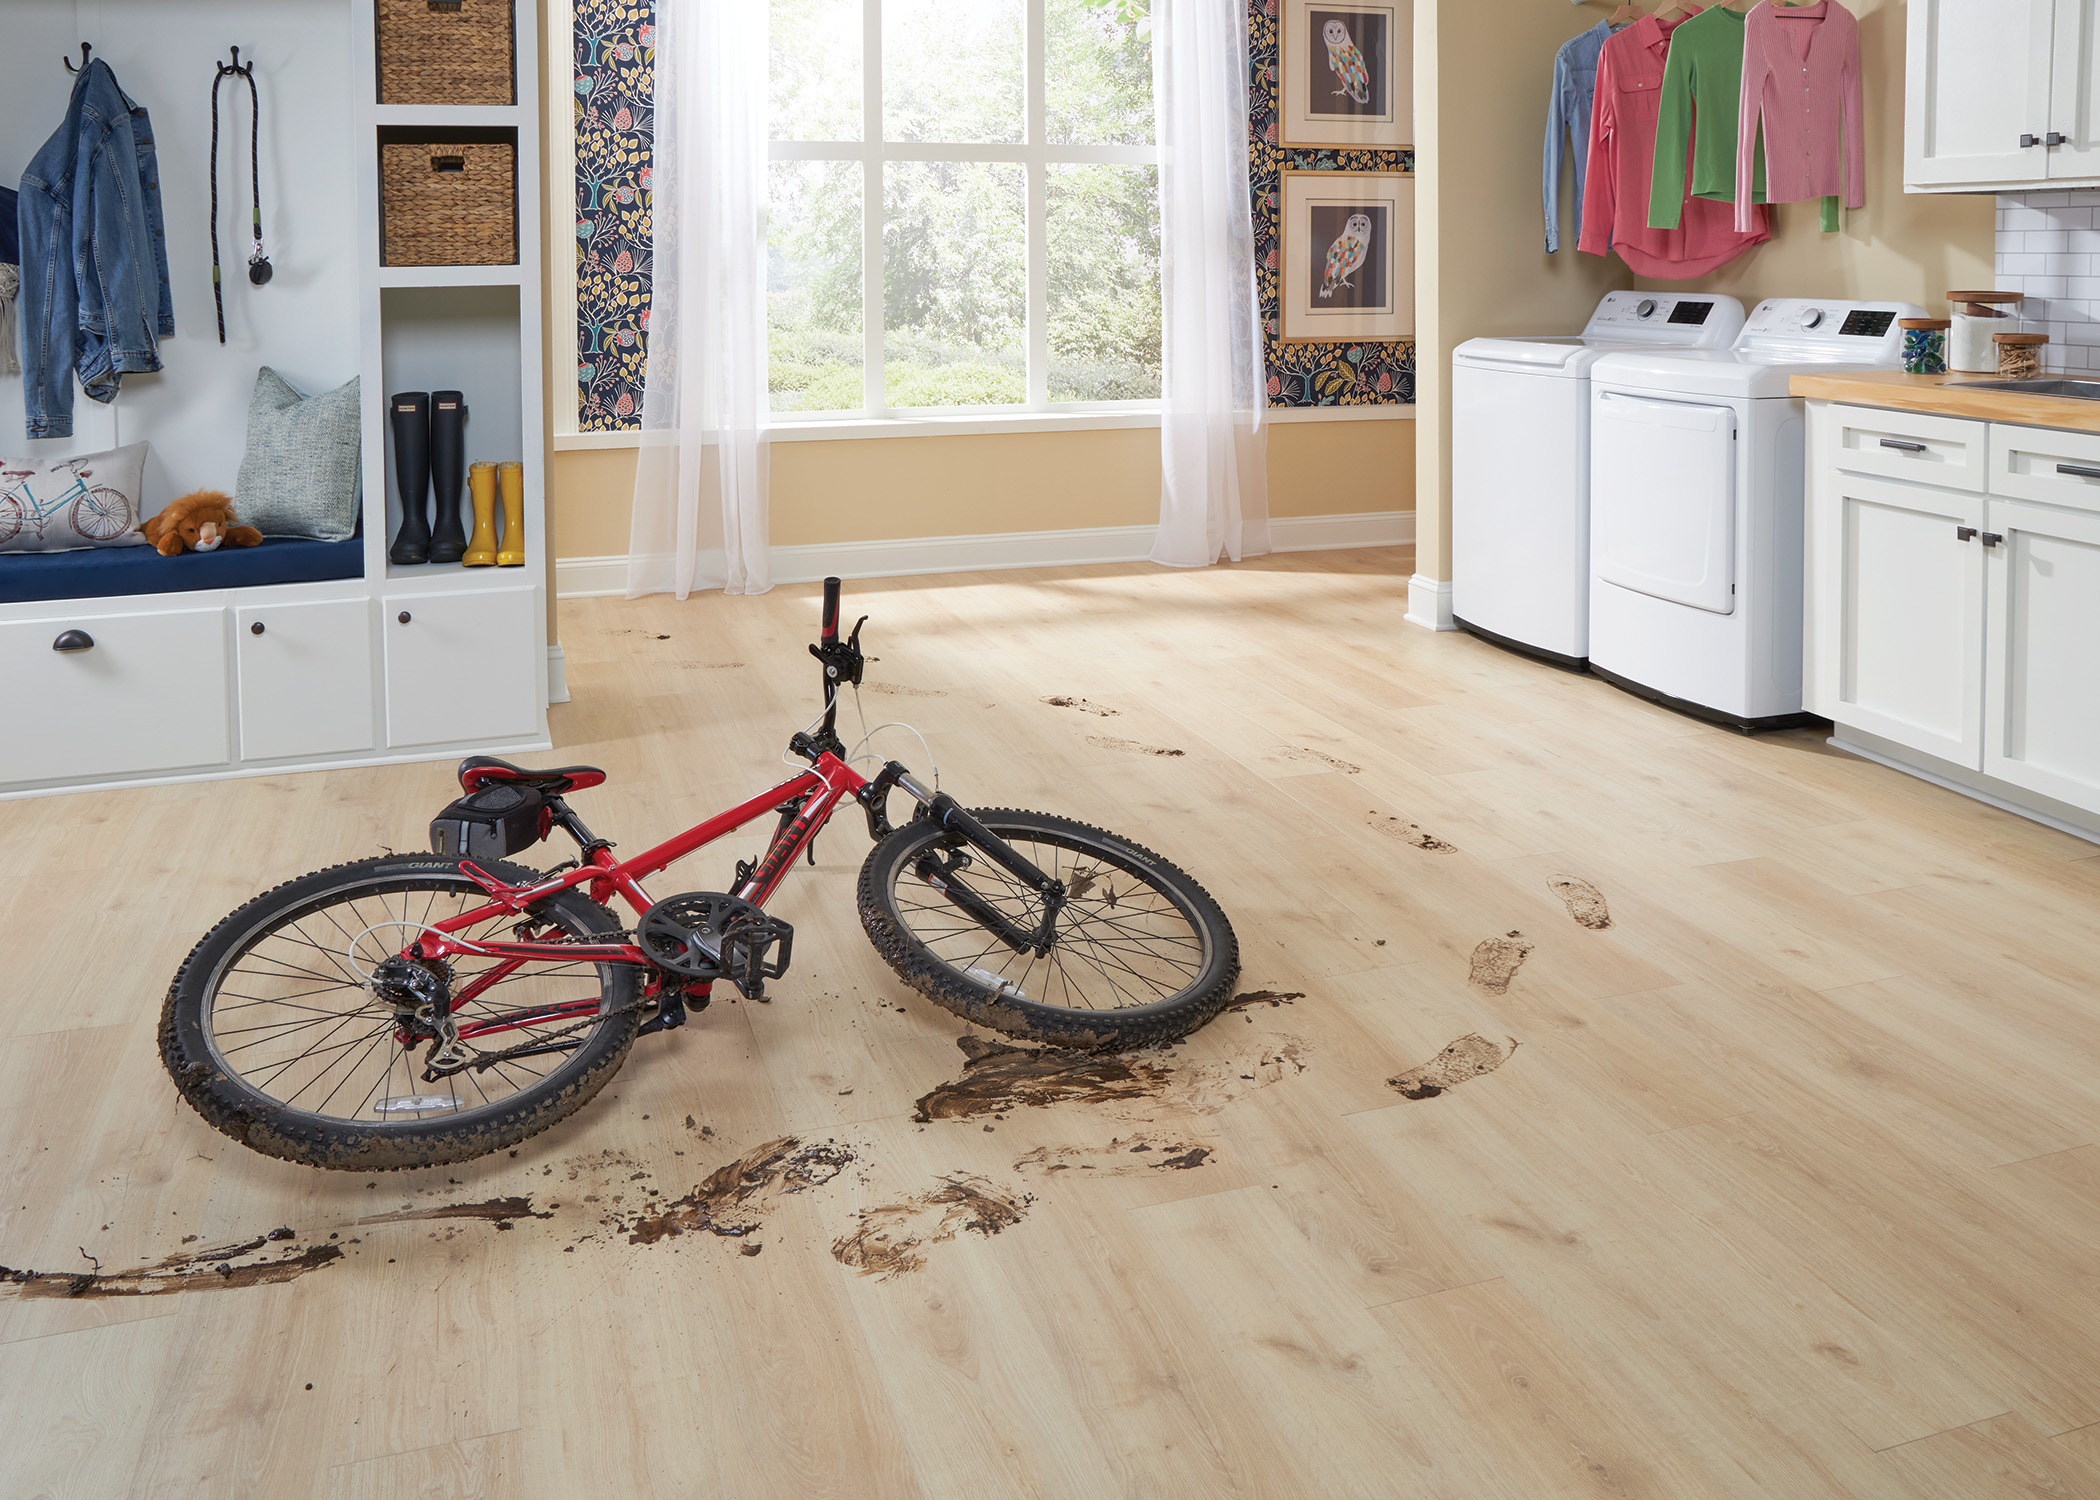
(997, 1078)
(735, 1199)
(710, 666)
(1584, 901)
(1468, 1057)
(201, 1271)
(900, 690)
(1496, 961)
(1317, 758)
(1125, 1156)
(501, 1212)
(1131, 747)
(1082, 706)
(890, 1239)
(1394, 827)
(1270, 998)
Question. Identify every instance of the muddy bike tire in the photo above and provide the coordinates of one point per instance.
(249, 947)
(1143, 955)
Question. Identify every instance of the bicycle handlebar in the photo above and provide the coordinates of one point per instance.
(831, 610)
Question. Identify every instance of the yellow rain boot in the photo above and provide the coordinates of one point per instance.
(512, 478)
(481, 485)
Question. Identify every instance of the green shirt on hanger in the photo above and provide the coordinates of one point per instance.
(1703, 80)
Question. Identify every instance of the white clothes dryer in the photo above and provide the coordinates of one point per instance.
(1520, 465)
(1696, 493)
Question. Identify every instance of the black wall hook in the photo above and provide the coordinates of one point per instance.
(85, 49)
(245, 70)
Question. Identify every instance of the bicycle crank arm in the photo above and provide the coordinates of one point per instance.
(944, 879)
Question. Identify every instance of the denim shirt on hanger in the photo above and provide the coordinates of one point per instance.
(95, 297)
(1568, 113)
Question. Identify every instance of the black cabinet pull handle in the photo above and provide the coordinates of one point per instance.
(73, 640)
(1902, 447)
(1965, 533)
(2054, 138)
(256, 628)
(1991, 538)
(2030, 140)
(402, 617)
(2082, 471)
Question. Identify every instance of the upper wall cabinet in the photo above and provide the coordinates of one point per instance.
(2002, 94)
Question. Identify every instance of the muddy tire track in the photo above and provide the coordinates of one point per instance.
(1131, 1156)
(1407, 832)
(902, 690)
(997, 1078)
(216, 1269)
(1320, 758)
(1585, 903)
(1129, 747)
(1082, 705)
(735, 1199)
(1468, 1057)
(502, 1212)
(890, 1239)
(1496, 961)
(1270, 998)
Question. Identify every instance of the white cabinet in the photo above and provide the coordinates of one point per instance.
(305, 673)
(95, 694)
(2002, 94)
(2042, 729)
(461, 666)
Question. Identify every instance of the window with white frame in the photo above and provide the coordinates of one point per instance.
(964, 206)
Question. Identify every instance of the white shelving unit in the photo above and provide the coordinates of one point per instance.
(405, 663)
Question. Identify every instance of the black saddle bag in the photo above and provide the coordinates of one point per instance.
(499, 820)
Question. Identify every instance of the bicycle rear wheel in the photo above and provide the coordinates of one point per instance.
(12, 514)
(1141, 954)
(102, 514)
(272, 1034)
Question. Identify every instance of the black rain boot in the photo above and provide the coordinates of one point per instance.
(448, 467)
(410, 413)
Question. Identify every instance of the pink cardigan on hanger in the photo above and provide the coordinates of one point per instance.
(1801, 81)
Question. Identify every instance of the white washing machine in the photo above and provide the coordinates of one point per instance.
(1695, 500)
(1520, 465)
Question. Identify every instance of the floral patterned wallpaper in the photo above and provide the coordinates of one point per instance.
(1362, 374)
(615, 131)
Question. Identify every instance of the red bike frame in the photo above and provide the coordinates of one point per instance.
(815, 795)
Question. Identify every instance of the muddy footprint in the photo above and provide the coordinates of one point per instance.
(1584, 901)
(899, 690)
(1408, 833)
(1082, 705)
(890, 1239)
(1116, 742)
(1320, 758)
(1468, 1057)
(1496, 961)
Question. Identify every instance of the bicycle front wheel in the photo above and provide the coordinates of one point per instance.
(103, 515)
(1141, 951)
(273, 1035)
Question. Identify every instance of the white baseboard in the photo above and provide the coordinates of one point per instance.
(1429, 603)
(589, 577)
(557, 674)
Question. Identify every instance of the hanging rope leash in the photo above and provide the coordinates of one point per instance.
(258, 263)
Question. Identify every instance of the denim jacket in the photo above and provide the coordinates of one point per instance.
(95, 297)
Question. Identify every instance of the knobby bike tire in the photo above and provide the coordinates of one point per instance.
(978, 998)
(231, 1104)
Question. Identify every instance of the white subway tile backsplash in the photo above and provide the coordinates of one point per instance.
(2048, 241)
(2048, 246)
(2067, 265)
(2017, 219)
(2018, 263)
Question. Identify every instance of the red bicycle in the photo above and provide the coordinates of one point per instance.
(412, 1010)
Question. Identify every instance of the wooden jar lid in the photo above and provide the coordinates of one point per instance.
(1924, 322)
(2019, 338)
(1986, 296)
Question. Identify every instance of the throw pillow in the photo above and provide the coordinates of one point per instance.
(65, 504)
(300, 474)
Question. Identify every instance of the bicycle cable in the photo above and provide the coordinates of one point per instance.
(854, 756)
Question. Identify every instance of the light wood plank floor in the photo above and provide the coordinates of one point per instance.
(1786, 1184)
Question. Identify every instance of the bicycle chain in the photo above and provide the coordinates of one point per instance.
(481, 1061)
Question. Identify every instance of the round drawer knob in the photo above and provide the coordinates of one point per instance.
(402, 617)
(256, 628)
(73, 640)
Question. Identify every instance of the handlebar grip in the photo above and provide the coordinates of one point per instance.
(831, 610)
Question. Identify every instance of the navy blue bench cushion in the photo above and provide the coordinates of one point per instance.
(107, 572)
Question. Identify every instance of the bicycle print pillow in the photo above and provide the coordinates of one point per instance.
(66, 504)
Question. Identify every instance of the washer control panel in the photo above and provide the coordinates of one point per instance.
(1702, 320)
(1827, 328)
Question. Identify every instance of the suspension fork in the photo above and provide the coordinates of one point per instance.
(945, 813)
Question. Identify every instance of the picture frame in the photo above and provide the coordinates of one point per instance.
(1347, 73)
(1346, 263)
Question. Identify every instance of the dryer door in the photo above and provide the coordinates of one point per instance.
(1662, 498)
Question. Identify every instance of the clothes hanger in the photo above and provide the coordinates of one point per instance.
(1622, 15)
(85, 48)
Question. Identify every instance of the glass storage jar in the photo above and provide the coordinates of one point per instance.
(1924, 345)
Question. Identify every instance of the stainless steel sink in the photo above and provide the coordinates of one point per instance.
(2077, 390)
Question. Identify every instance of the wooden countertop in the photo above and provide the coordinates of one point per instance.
(1942, 395)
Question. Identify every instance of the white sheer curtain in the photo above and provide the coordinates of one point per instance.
(1214, 487)
(700, 480)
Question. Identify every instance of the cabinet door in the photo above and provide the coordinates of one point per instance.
(1898, 612)
(461, 667)
(1978, 80)
(2074, 90)
(144, 693)
(2042, 729)
(305, 677)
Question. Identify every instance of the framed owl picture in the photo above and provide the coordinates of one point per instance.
(1346, 272)
(1348, 73)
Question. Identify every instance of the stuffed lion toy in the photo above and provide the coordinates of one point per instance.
(198, 522)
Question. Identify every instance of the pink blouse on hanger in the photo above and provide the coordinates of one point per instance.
(1801, 81)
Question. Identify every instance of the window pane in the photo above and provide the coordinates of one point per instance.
(816, 70)
(955, 288)
(1103, 231)
(813, 255)
(951, 70)
(1097, 84)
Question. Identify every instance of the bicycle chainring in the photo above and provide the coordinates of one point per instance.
(683, 934)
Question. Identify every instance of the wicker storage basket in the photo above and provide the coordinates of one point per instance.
(446, 52)
(448, 203)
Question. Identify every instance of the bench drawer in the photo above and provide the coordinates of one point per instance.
(1908, 445)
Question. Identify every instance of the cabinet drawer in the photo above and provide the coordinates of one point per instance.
(460, 667)
(2041, 463)
(1910, 445)
(150, 694)
(305, 678)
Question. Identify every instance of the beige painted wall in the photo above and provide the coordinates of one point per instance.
(864, 489)
(1482, 70)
